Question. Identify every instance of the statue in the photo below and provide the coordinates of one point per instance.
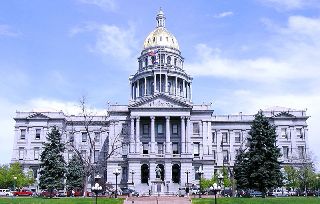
(158, 172)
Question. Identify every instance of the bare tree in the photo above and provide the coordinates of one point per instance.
(90, 125)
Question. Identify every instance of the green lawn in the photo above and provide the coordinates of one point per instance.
(287, 200)
(60, 201)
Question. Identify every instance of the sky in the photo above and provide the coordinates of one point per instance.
(244, 55)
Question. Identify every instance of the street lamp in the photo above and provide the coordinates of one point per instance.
(132, 172)
(116, 172)
(220, 178)
(200, 172)
(96, 189)
(215, 188)
(187, 187)
(14, 183)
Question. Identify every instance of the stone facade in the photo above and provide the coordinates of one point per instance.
(160, 127)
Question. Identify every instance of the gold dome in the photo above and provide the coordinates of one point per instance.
(161, 36)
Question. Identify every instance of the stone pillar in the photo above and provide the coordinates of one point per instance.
(152, 171)
(168, 172)
(138, 88)
(176, 86)
(188, 136)
(132, 136)
(138, 135)
(168, 135)
(166, 84)
(154, 83)
(183, 135)
(145, 86)
(204, 138)
(232, 153)
(131, 91)
(191, 91)
(210, 138)
(219, 154)
(183, 88)
(153, 135)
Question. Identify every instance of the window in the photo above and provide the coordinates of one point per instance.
(71, 138)
(299, 133)
(225, 156)
(160, 148)
(97, 137)
(169, 60)
(196, 149)
(237, 137)
(38, 131)
(145, 148)
(84, 137)
(284, 133)
(146, 61)
(84, 154)
(214, 154)
(96, 156)
(301, 152)
(224, 137)
(36, 153)
(21, 153)
(285, 150)
(124, 149)
(145, 129)
(160, 129)
(196, 129)
(214, 137)
(196, 175)
(174, 129)
(22, 134)
(237, 152)
(175, 149)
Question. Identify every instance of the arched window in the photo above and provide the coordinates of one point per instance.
(144, 173)
(175, 61)
(175, 173)
(146, 61)
(168, 60)
(152, 88)
(169, 87)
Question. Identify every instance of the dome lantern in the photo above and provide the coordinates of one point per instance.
(161, 19)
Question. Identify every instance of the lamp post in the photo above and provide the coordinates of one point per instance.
(96, 189)
(318, 185)
(116, 172)
(132, 172)
(220, 178)
(200, 172)
(187, 187)
(215, 188)
(14, 183)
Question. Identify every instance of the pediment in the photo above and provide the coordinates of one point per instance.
(283, 114)
(37, 116)
(160, 101)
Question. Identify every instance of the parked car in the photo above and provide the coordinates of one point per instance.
(195, 191)
(78, 193)
(252, 193)
(5, 192)
(182, 192)
(23, 192)
(129, 191)
(226, 192)
(47, 193)
(280, 193)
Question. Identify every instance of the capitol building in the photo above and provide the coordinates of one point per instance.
(160, 128)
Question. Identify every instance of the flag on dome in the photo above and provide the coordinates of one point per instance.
(153, 52)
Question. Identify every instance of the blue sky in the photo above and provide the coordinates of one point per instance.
(244, 55)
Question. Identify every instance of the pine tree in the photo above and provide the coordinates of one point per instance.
(75, 173)
(52, 162)
(262, 164)
(241, 170)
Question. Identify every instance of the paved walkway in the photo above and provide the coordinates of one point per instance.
(158, 200)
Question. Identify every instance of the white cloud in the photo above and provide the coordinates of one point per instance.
(223, 14)
(104, 4)
(111, 40)
(290, 4)
(6, 30)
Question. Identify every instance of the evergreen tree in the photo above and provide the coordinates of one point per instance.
(262, 164)
(241, 170)
(75, 173)
(52, 162)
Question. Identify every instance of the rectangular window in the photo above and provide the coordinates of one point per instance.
(36, 153)
(285, 150)
(214, 154)
(301, 152)
(71, 138)
(145, 129)
(21, 153)
(214, 140)
(160, 148)
(97, 137)
(38, 131)
(196, 129)
(96, 156)
(84, 154)
(84, 137)
(160, 129)
(196, 149)
(225, 156)
(237, 137)
(224, 137)
(124, 149)
(174, 129)
(284, 133)
(299, 133)
(22, 134)
(145, 148)
(175, 149)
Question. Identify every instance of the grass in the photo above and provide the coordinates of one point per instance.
(16, 200)
(287, 200)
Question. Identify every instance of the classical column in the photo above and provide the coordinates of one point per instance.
(138, 135)
(153, 135)
(131, 90)
(166, 84)
(183, 135)
(191, 91)
(210, 138)
(204, 138)
(132, 136)
(145, 86)
(188, 136)
(176, 86)
(183, 88)
(168, 135)
(154, 83)
(138, 88)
